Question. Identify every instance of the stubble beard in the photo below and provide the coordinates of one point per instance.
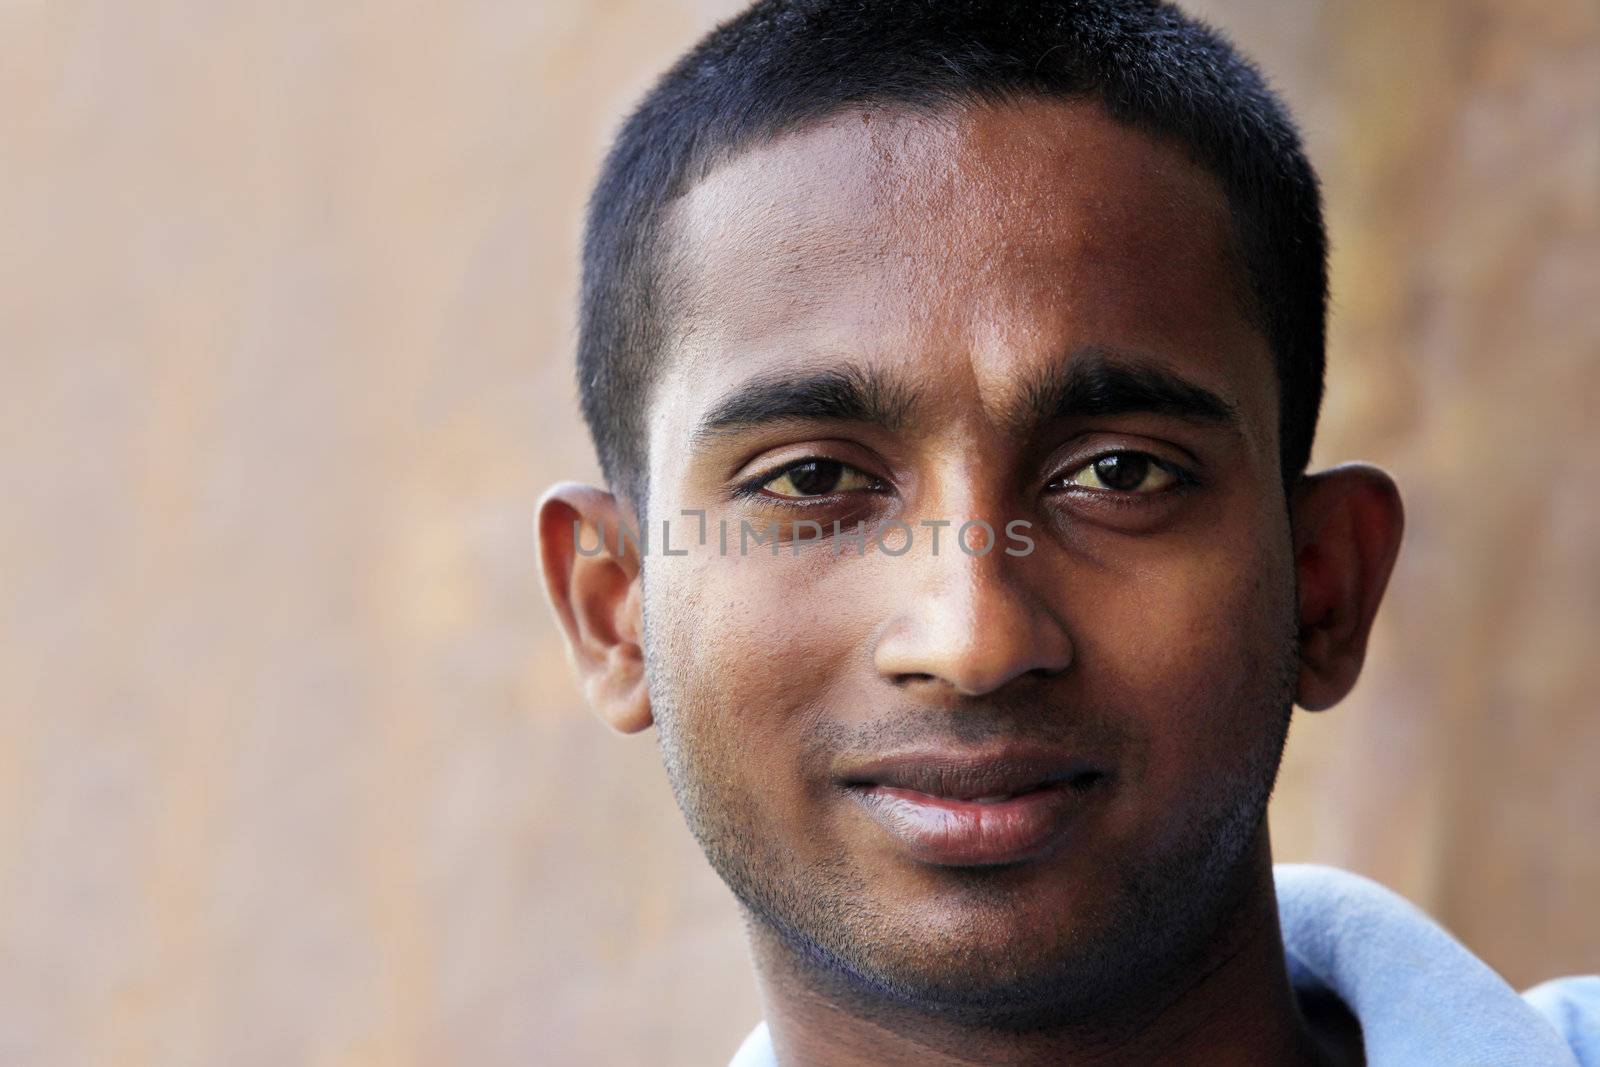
(1152, 940)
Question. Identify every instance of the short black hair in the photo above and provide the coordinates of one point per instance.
(783, 64)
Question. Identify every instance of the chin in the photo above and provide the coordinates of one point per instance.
(990, 946)
(1010, 979)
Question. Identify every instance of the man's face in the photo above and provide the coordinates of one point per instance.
(1019, 777)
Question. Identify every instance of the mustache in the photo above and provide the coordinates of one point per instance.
(1038, 723)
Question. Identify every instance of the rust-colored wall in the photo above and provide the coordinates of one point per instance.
(292, 769)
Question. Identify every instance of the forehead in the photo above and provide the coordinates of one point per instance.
(974, 244)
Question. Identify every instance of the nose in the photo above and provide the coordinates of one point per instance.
(971, 624)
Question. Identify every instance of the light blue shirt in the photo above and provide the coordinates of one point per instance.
(1422, 998)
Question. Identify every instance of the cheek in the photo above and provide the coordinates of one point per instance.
(750, 654)
(1194, 657)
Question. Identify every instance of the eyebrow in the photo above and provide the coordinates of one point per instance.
(851, 394)
(1096, 381)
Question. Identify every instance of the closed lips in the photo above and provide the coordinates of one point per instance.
(965, 812)
(977, 780)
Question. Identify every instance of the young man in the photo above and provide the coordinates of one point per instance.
(954, 368)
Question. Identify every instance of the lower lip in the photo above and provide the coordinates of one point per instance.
(963, 833)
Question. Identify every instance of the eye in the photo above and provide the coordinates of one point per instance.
(1121, 472)
(816, 477)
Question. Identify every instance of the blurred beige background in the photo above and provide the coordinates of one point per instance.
(292, 770)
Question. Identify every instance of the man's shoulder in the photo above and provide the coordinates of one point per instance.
(1421, 995)
(1572, 1006)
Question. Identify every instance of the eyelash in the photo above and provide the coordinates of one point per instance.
(751, 487)
(1185, 479)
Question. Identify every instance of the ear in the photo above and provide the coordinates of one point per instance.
(1347, 524)
(591, 576)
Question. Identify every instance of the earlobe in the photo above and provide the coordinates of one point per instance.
(591, 577)
(1347, 525)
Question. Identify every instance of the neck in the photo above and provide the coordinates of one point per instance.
(1234, 1005)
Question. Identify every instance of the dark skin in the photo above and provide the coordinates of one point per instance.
(963, 317)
